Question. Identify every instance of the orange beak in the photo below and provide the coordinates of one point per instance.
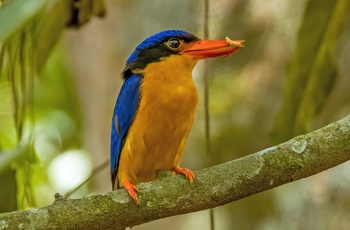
(212, 48)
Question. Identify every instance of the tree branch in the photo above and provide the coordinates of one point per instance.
(171, 195)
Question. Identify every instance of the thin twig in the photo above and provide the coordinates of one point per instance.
(93, 173)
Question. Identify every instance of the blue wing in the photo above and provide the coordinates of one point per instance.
(124, 112)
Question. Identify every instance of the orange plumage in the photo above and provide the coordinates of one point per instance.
(156, 107)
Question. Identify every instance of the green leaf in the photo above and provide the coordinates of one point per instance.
(8, 191)
(7, 132)
(16, 14)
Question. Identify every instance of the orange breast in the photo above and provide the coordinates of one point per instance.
(158, 134)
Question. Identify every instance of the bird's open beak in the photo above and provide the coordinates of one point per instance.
(212, 48)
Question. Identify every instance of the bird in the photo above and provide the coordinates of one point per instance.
(156, 106)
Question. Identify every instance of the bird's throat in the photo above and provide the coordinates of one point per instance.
(176, 69)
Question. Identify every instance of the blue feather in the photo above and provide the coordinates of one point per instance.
(129, 96)
(124, 112)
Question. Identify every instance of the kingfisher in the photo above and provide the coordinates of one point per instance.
(156, 106)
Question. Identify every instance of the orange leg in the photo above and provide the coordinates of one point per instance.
(132, 190)
(186, 172)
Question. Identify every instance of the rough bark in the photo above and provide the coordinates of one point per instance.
(171, 195)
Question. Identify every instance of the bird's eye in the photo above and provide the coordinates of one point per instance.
(173, 43)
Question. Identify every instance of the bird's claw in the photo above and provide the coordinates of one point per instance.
(186, 172)
(132, 191)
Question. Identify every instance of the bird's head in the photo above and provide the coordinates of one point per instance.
(179, 43)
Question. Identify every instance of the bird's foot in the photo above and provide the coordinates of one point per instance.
(132, 190)
(186, 172)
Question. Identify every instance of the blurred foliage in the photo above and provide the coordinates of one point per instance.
(312, 70)
(27, 102)
(62, 98)
(16, 79)
(17, 14)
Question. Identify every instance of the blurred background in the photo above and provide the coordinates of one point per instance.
(58, 87)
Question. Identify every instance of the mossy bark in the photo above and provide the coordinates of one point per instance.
(171, 195)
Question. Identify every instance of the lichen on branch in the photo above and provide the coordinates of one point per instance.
(171, 195)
